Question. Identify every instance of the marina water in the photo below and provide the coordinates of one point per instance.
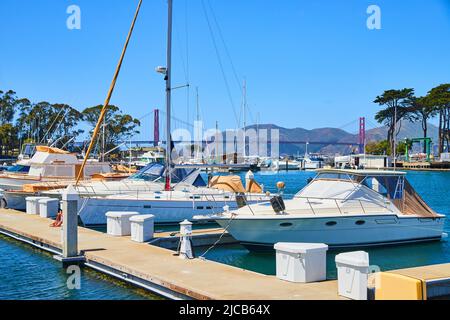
(27, 273)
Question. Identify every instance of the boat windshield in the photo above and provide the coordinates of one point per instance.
(155, 172)
(390, 186)
(18, 169)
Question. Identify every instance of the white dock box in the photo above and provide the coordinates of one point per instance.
(142, 227)
(353, 273)
(48, 208)
(301, 262)
(118, 223)
(32, 204)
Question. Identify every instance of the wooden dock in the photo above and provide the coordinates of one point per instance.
(158, 270)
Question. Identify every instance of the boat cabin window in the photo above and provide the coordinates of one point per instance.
(18, 169)
(155, 172)
(388, 186)
(151, 172)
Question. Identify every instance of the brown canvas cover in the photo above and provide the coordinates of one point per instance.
(253, 187)
(413, 203)
(46, 149)
(227, 183)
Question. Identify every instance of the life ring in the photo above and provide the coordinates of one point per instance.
(58, 221)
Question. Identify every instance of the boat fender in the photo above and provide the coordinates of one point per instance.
(58, 221)
(278, 205)
(241, 200)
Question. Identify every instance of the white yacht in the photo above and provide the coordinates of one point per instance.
(287, 165)
(311, 162)
(49, 165)
(342, 208)
(149, 179)
(155, 156)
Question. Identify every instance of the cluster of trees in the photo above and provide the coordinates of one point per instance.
(383, 147)
(404, 105)
(22, 121)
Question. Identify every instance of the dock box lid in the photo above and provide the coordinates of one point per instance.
(142, 218)
(300, 247)
(357, 258)
(48, 200)
(35, 198)
(118, 214)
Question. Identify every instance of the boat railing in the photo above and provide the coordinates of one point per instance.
(342, 206)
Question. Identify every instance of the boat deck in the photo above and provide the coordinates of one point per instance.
(158, 267)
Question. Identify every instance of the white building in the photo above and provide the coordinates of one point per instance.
(366, 161)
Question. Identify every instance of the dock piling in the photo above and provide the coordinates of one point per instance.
(70, 253)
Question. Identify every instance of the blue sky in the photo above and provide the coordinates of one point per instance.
(307, 63)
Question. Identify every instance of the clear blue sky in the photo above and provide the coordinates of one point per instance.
(307, 63)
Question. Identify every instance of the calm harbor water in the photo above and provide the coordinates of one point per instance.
(30, 274)
(27, 273)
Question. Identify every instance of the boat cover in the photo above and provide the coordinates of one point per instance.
(227, 183)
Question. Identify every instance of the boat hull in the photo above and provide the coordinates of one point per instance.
(93, 211)
(7, 183)
(336, 232)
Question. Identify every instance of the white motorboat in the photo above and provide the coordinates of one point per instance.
(287, 165)
(311, 163)
(149, 179)
(149, 157)
(49, 165)
(342, 208)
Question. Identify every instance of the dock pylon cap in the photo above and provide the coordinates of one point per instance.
(70, 194)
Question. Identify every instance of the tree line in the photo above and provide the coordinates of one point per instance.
(403, 104)
(22, 121)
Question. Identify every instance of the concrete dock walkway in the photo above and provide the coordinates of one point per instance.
(165, 273)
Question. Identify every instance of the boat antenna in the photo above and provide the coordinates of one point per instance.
(108, 97)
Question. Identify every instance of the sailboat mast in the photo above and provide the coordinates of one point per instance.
(169, 95)
(197, 127)
(198, 105)
(244, 104)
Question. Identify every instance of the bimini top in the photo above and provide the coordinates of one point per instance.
(371, 173)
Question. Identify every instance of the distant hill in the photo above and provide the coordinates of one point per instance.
(408, 130)
(337, 141)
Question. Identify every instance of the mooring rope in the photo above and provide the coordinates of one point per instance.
(202, 257)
